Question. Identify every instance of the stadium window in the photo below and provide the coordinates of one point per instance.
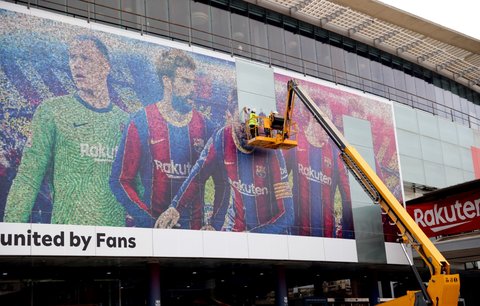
(179, 16)
(201, 24)
(221, 27)
(157, 17)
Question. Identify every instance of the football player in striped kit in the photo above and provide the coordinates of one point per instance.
(252, 192)
(161, 144)
(318, 172)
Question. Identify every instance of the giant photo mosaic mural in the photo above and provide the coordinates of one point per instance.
(109, 130)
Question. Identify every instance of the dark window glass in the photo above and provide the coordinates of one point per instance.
(201, 24)
(422, 102)
(457, 111)
(324, 59)
(309, 55)
(78, 8)
(179, 16)
(351, 66)
(377, 78)
(399, 93)
(221, 29)
(475, 121)
(389, 81)
(441, 110)
(157, 17)
(240, 35)
(107, 11)
(411, 91)
(447, 96)
(292, 47)
(276, 44)
(430, 97)
(133, 13)
(338, 65)
(57, 5)
(465, 110)
(365, 73)
(258, 35)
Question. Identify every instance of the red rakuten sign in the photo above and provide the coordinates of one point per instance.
(451, 215)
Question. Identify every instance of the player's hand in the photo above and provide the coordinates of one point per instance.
(208, 228)
(168, 218)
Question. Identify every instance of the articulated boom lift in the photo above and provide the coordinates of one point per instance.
(278, 133)
(443, 287)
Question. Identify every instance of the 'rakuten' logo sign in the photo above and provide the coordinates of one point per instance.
(443, 217)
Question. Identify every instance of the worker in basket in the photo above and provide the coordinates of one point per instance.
(253, 123)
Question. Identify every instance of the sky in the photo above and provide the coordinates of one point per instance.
(459, 15)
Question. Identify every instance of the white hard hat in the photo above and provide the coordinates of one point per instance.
(275, 112)
(254, 110)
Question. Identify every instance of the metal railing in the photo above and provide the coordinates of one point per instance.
(88, 10)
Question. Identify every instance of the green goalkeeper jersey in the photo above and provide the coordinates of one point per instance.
(76, 144)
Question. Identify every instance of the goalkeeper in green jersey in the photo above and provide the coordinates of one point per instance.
(74, 138)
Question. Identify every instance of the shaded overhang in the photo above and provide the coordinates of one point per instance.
(447, 52)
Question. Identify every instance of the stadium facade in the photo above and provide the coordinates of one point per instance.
(119, 117)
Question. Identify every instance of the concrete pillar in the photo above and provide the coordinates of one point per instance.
(281, 294)
(154, 294)
(374, 290)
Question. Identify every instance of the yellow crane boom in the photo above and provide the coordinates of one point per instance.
(443, 287)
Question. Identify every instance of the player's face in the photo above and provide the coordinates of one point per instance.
(88, 66)
(319, 131)
(184, 83)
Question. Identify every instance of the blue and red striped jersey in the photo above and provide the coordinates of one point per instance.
(153, 159)
(252, 192)
(317, 173)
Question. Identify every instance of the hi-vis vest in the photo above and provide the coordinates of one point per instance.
(253, 119)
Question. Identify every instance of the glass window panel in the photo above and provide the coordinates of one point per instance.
(58, 5)
(388, 80)
(459, 111)
(258, 35)
(309, 55)
(465, 107)
(411, 90)
(240, 35)
(440, 108)
(420, 87)
(429, 100)
(109, 11)
(179, 16)
(201, 24)
(324, 60)
(133, 13)
(456, 102)
(351, 67)
(447, 98)
(377, 78)
(475, 120)
(338, 64)
(276, 44)
(399, 94)
(292, 47)
(78, 8)
(221, 29)
(157, 17)
(422, 102)
(365, 73)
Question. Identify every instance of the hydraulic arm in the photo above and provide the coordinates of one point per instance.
(443, 288)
